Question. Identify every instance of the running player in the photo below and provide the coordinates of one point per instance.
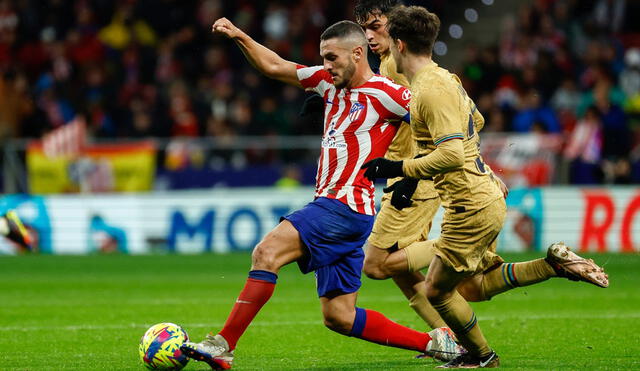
(381, 263)
(442, 121)
(406, 212)
(362, 113)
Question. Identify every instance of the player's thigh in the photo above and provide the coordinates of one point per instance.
(279, 247)
(466, 238)
(400, 228)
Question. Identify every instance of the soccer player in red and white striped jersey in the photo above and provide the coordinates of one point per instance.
(359, 122)
(362, 113)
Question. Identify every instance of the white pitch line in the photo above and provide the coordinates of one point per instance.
(524, 317)
(221, 301)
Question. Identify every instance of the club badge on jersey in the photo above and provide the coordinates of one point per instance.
(355, 110)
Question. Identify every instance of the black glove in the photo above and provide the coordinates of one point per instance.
(402, 192)
(382, 168)
(313, 105)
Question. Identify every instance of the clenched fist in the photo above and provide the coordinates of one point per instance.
(225, 27)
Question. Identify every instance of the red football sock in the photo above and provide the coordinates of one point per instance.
(381, 330)
(254, 295)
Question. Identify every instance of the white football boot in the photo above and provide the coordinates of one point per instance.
(214, 350)
(443, 345)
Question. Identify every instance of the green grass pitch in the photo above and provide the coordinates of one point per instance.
(88, 313)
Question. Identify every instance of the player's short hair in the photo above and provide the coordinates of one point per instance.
(346, 30)
(414, 25)
(364, 8)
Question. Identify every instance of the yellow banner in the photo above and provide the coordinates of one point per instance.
(99, 168)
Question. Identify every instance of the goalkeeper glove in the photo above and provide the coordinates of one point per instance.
(402, 192)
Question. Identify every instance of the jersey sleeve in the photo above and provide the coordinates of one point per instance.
(400, 97)
(445, 119)
(314, 78)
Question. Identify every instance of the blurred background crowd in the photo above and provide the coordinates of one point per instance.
(151, 68)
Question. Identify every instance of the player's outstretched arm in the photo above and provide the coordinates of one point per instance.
(447, 156)
(263, 59)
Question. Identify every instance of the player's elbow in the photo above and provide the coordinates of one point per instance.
(270, 70)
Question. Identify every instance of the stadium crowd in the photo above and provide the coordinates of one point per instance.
(139, 68)
(568, 67)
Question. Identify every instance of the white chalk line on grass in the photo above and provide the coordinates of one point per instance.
(101, 301)
(524, 317)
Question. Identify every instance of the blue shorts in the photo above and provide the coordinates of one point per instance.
(334, 235)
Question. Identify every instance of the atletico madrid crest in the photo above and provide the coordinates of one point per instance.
(355, 110)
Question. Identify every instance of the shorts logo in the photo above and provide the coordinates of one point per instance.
(355, 110)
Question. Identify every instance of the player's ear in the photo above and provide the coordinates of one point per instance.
(400, 45)
(358, 53)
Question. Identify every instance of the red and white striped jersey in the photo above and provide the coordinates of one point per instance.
(359, 125)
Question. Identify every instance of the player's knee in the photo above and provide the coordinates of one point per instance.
(434, 294)
(471, 289)
(337, 322)
(374, 270)
(263, 257)
(470, 294)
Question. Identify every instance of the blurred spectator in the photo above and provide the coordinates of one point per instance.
(629, 79)
(534, 114)
(291, 178)
(584, 149)
(15, 104)
(609, 15)
(125, 29)
(566, 97)
(614, 121)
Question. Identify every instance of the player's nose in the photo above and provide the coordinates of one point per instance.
(369, 35)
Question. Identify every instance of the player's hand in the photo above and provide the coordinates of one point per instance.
(382, 168)
(225, 27)
(313, 105)
(503, 187)
(402, 192)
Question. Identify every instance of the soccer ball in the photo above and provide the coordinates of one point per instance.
(160, 347)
